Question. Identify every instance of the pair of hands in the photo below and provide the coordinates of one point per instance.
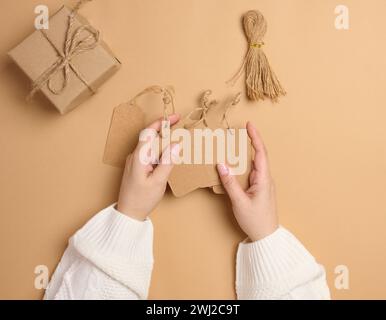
(143, 186)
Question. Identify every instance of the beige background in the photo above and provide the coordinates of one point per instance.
(326, 139)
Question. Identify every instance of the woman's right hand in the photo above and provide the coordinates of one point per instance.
(255, 208)
(144, 184)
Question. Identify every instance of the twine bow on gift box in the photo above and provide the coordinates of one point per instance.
(74, 45)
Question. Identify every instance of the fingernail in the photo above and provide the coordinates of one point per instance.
(222, 170)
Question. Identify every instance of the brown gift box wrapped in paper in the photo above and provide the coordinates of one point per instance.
(87, 70)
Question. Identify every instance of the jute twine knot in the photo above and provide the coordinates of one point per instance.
(167, 98)
(261, 81)
(74, 45)
(203, 108)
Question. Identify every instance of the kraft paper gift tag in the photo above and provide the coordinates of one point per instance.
(127, 123)
(243, 179)
(186, 178)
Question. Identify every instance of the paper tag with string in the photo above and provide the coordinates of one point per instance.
(127, 122)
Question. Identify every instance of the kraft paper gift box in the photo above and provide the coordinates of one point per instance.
(87, 69)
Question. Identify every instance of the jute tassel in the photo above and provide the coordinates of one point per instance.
(261, 81)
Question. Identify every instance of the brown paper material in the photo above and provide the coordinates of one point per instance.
(129, 119)
(126, 124)
(35, 55)
(186, 178)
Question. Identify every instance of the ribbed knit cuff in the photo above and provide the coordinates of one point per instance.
(273, 266)
(120, 246)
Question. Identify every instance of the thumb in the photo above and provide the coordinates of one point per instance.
(163, 170)
(230, 183)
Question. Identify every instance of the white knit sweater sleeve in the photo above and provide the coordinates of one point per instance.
(111, 257)
(279, 267)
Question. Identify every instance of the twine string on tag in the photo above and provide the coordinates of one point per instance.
(74, 45)
(235, 101)
(261, 81)
(205, 105)
(79, 5)
(167, 98)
